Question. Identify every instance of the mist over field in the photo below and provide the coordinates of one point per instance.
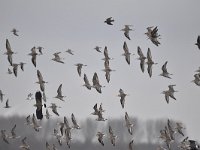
(145, 134)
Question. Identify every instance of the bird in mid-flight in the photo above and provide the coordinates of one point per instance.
(14, 31)
(109, 21)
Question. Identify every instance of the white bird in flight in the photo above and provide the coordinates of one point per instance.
(59, 93)
(70, 51)
(87, 84)
(41, 81)
(96, 83)
(126, 53)
(126, 30)
(141, 58)
(33, 55)
(54, 108)
(122, 96)
(79, 68)
(9, 52)
(165, 73)
(149, 62)
(57, 58)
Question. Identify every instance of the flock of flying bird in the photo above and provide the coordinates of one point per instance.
(63, 131)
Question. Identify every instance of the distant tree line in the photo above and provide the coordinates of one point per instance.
(146, 134)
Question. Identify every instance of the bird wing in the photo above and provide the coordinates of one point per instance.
(113, 140)
(167, 98)
(122, 101)
(59, 90)
(155, 41)
(110, 18)
(95, 108)
(128, 59)
(8, 47)
(142, 65)
(10, 59)
(126, 34)
(42, 87)
(54, 110)
(198, 39)
(149, 69)
(154, 32)
(73, 119)
(79, 67)
(61, 128)
(66, 122)
(100, 139)
(125, 47)
(180, 131)
(85, 79)
(107, 76)
(15, 67)
(98, 88)
(13, 130)
(22, 66)
(149, 57)
(164, 67)
(87, 84)
(95, 79)
(15, 33)
(28, 119)
(106, 52)
(139, 51)
(130, 145)
(33, 59)
(171, 88)
(56, 54)
(127, 118)
(5, 140)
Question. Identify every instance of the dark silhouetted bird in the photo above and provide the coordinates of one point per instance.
(38, 98)
(109, 21)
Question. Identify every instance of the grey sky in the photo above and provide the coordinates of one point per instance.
(79, 25)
